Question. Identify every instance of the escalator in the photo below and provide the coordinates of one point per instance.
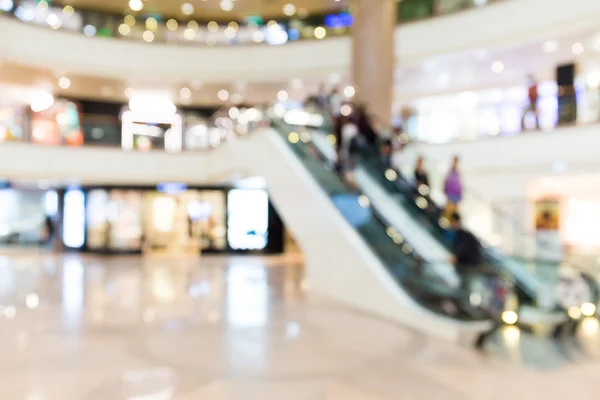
(544, 298)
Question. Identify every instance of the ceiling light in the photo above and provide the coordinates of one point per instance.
(577, 48)
(282, 95)
(223, 95)
(230, 32)
(320, 32)
(89, 30)
(212, 26)
(172, 25)
(151, 23)
(349, 91)
(53, 20)
(233, 25)
(497, 67)
(124, 29)
(68, 11)
(258, 37)
(550, 46)
(136, 5)
(185, 93)
(148, 36)
(129, 20)
(289, 9)
(272, 24)
(226, 5)
(42, 101)
(189, 34)
(187, 9)
(6, 5)
(193, 25)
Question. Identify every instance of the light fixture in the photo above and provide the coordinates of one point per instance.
(510, 317)
(6, 5)
(151, 23)
(577, 48)
(42, 101)
(189, 34)
(349, 91)
(129, 20)
(53, 20)
(346, 110)
(89, 30)
(272, 24)
(32, 301)
(172, 24)
(187, 9)
(258, 37)
(282, 95)
(320, 32)
(148, 36)
(497, 67)
(550, 46)
(289, 9)
(136, 5)
(293, 137)
(233, 25)
(185, 93)
(226, 5)
(223, 95)
(588, 309)
(68, 10)
(212, 26)
(64, 82)
(124, 29)
(230, 32)
(43, 5)
(193, 25)
(129, 92)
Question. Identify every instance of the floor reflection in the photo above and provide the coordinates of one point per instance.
(79, 328)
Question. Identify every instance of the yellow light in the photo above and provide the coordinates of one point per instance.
(172, 25)
(151, 23)
(213, 26)
(136, 5)
(124, 29)
(293, 137)
(331, 138)
(189, 34)
(289, 9)
(510, 317)
(302, 13)
(148, 36)
(574, 312)
(320, 32)
(234, 25)
(391, 175)
(229, 32)
(193, 25)
(364, 201)
(129, 20)
(68, 10)
(271, 24)
(588, 309)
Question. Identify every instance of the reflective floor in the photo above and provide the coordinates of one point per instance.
(74, 328)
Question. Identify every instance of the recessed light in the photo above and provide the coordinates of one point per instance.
(64, 82)
(187, 9)
(136, 5)
(577, 48)
(497, 67)
(289, 9)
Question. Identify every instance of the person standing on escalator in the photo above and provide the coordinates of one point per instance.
(453, 188)
(466, 248)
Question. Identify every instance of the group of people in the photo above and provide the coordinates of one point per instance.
(357, 135)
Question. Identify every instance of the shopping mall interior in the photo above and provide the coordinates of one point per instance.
(299, 199)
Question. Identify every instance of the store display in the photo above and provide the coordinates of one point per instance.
(247, 219)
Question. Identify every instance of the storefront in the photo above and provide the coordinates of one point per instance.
(56, 125)
(171, 219)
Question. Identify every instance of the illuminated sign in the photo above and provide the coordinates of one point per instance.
(343, 20)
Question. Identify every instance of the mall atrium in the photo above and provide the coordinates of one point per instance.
(299, 199)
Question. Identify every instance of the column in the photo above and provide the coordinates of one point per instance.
(373, 56)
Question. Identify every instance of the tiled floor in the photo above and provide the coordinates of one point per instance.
(75, 328)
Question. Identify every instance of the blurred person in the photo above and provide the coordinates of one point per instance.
(453, 184)
(334, 102)
(533, 96)
(398, 160)
(421, 176)
(49, 230)
(365, 126)
(386, 153)
(466, 249)
(350, 148)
